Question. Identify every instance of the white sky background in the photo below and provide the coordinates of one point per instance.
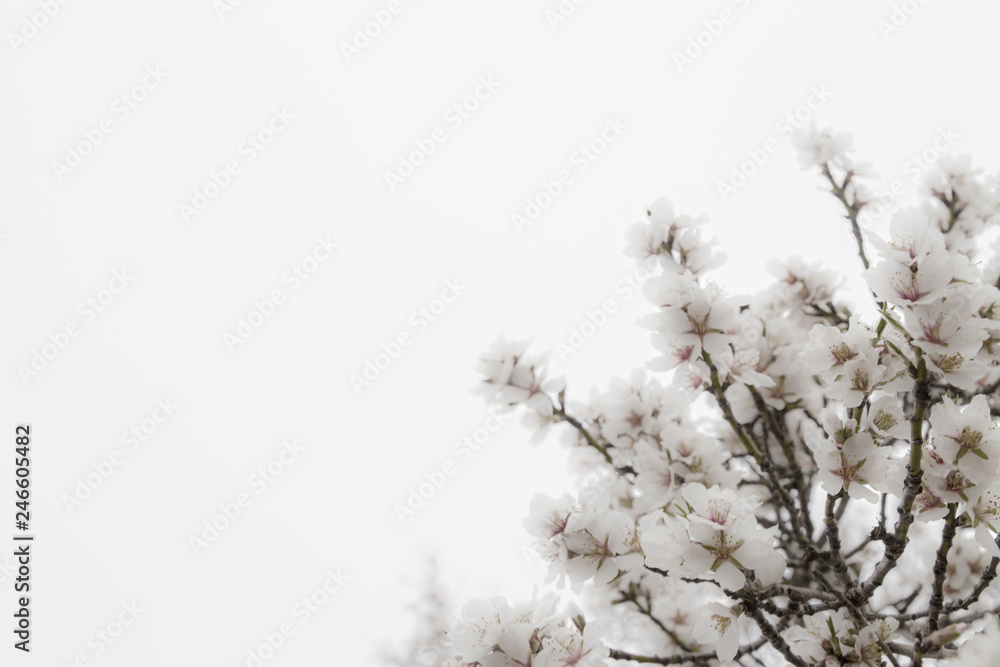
(162, 335)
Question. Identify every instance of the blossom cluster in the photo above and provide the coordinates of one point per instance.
(501, 635)
(791, 477)
(716, 536)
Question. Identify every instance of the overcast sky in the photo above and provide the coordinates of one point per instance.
(217, 214)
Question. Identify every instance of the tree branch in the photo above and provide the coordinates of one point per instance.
(941, 568)
(895, 544)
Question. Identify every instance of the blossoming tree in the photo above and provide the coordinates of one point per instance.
(793, 483)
